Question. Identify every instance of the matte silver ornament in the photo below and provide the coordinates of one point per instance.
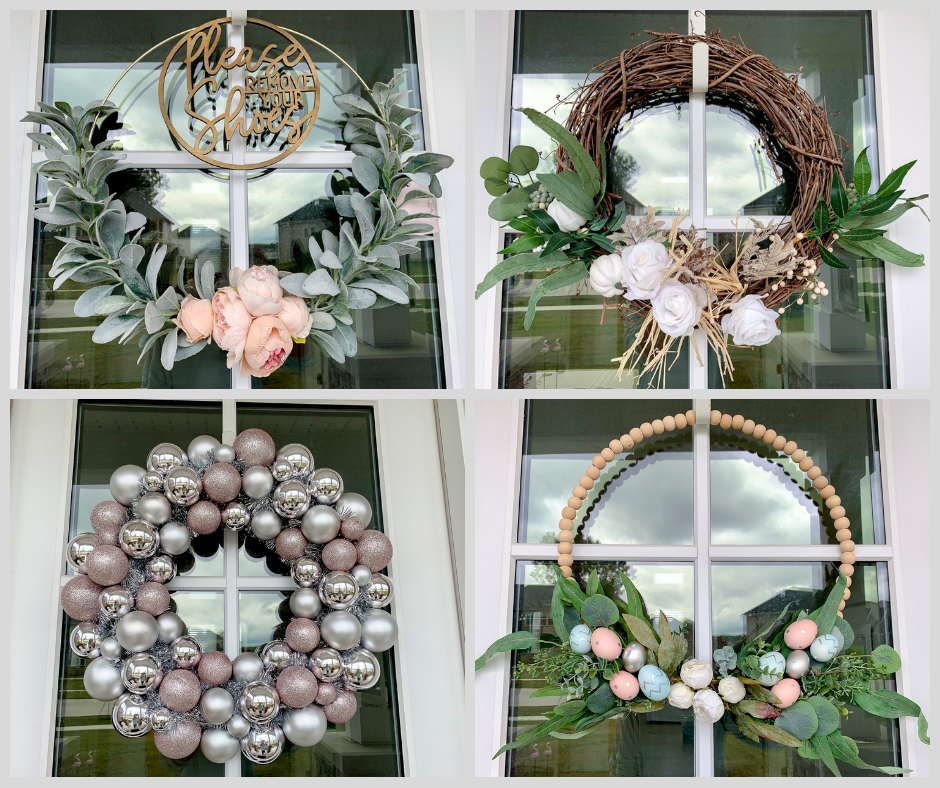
(235, 516)
(361, 670)
(175, 539)
(161, 569)
(305, 603)
(362, 574)
(265, 524)
(139, 539)
(186, 651)
(263, 745)
(201, 448)
(224, 453)
(298, 456)
(338, 590)
(137, 631)
(281, 470)
(111, 649)
(78, 550)
(218, 745)
(305, 571)
(259, 702)
(141, 673)
(182, 486)
(115, 601)
(217, 706)
(154, 508)
(276, 655)
(161, 719)
(326, 664)
(238, 726)
(305, 727)
(170, 627)
(320, 524)
(379, 631)
(341, 630)
(124, 483)
(380, 591)
(354, 505)
(291, 499)
(634, 657)
(797, 664)
(85, 640)
(325, 485)
(257, 482)
(247, 666)
(130, 716)
(102, 680)
(165, 456)
(153, 481)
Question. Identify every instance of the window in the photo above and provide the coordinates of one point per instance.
(233, 218)
(717, 530)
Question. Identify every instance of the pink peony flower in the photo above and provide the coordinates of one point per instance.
(258, 288)
(267, 346)
(231, 324)
(295, 314)
(195, 318)
(418, 205)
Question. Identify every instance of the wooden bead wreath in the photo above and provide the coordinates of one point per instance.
(726, 421)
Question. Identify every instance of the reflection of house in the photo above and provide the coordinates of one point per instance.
(203, 242)
(295, 228)
(764, 614)
(207, 638)
(770, 203)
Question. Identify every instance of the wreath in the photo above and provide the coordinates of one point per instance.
(158, 676)
(264, 312)
(667, 281)
(790, 683)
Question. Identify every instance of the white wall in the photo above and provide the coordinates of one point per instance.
(18, 57)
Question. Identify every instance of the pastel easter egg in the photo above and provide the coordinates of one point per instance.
(800, 633)
(837, 634)
(772, 665)
(824, 648)
(605, 644)
(788, 691)
(797, 664)
(624, 685)
(653, 682)
(580, 639)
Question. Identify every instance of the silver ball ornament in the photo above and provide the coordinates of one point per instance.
(110, 648)
(124, 483)
(320, 524)
(341, 630)
(78, 550)
(338, 590)
(797, 664)
(224, 453)
(201, 448)
(141, 673)
(257, 482)
(153, 481)
(380, 591)
(362, 574)
(305, 603)
(216, 706)
(218, 745)
(281, 470)
(85, 640)
(325, 485)
(235, 516)
(305, 727)
(379, 631)
(247, 666)
(165, 456)
(161, 719)
(186, 651)
(259, 702)
(137, 631)
(634, 657)
(299, 457)
(161, 569)
(115, 601)
(102, 680)
(170, 627)
(139, 539)
(361, 670)
(182, 486)
(154, 508)
(263, 745)
(265, 524)
(354, 505)
(305, 571)
(276, 655)
(326, 664)
(291, 499)
(175, 539)
(130, 716)
(238, 726)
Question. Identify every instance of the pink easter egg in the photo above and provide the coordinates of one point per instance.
(624, 685)
(788, 691)
(800, 633)
(605, 644)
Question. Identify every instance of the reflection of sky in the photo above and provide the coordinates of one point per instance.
(257, 616)
(203, 612)
(195, 198)
(278, 194)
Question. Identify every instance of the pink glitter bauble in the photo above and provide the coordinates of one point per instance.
(343, 709)
(254, 447)
(107, 565)
(296, 686)
(222, 482)
(352, 528)
(79, 597)
(180, 741)
(153, 598)
(326, 694)
(203, 517)
(106, 519)
(302, 635)
(290, 544)
(375, 550)
(180, 690)
(214, 668)
(340, 555)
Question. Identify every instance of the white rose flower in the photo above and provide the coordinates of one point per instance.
(567, 220)
(707, 706)
(606, 273)
(750, 322)
(677, 307)
(731, 689)
(681, 696)
(643, 267)
(696, 673)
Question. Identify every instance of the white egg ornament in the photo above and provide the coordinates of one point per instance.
(772, 665)
(824, 648)
(653, 682)
(580, 639)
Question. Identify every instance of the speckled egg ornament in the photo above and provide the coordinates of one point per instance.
(221, 482)
(787, 692)
(634, 656)
(605, 644)
(654, 684)
(254, 447)
(824, 648)
(624, 685)
(580, 639)
(800, 634)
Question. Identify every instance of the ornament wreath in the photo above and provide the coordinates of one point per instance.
(264, 312)
(789, 684)
(668, 281)
(157, 675)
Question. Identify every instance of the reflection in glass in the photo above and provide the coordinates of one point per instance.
(747, 597)
(759, 496)
(187, 210)
(658, 744)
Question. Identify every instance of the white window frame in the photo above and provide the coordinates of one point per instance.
(493, 685)
(900, 112)
(238, 198)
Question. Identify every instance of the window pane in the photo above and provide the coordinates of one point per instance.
(86, 743)
(838, 341)
(399, 346)
(562, 436)
(116, 433)
(658, 744)
(746, 597)
(188, 210)
(748, 476)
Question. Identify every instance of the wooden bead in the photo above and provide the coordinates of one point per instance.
(599, 462)
(593, 473)
(839, 614)
(789, 447)
(833, 501)
(759, 431)
(838, 512)
(827, 492)
(748, 427)
(566, 571)
(848, 581)
(586, 482)
(842, 522)
(568, 513)
(608, 455)
(565, 536)
(627, 442)
(725, 421)
(820, 481)
(575, 503)
(658, 427)
(566, 524)
(847, 546)
(681, 421)
(797, 456)
(842, 605)
(843, 534)
(779, 442)
(669, 423)
(769, 436)
(714, 417)
(647, 429)
(579, 492)
(848, 558)
(563, 548)
(847, 569)
(737, 422)
(616, 447)
(565, 560)
(846, 594)
(814, 472)
(690, 416)
(806, 463)
(636, 434)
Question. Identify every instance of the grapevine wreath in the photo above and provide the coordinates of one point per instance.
(667, 280)
(158, 676)
(790, 683)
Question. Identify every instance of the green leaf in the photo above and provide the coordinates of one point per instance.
(922, 728)
(563, 277)
(845, 749)
(808, 751)
(663, 624)
(548, 691)
(770, 732)
(895, 178)
(592, 584)
(519, 264)
(617, 217)
(524, 225)
(523, 159)
(572, 196)
(848, 636)
(758, 708)
(645, 706)
(558, 613)
(495, 168)
(880, 204)
(891, 252)
(583, 163)
(366, 173)
(509, 205)
(523, 244)
(827, 715)
(765, 632)
(510, 642)
(635, 604)
(885, 659)
(799, 720)
(594, 720)
(601, 699)
(642, 632)
(495, 187)
(837, 196)
(543, 221)
(762, 693)
(672, 650)
(885, 703)
(570, 707)
(860, 234)
(534, 734)
(821, 216)
(572, 618)
(87, 301)
(825, 616)
(853, 248)
(862, 175)
(884, 219)
(557, 241)
(829, 258)
(824, 750)
(598, 611)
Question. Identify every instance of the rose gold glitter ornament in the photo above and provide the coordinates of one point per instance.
(79, 598)
(222, 482)
(375, 550)
(203, 517)
(352, 528)
(339, 555)
(180, 690)
(107, 565)
(326, 694)
(302, 635)
(215, 668)
(290, 544)
(180, 741)
(343, 709)
(106, 519)
(297, 686)
(254, 447)
(153, 598)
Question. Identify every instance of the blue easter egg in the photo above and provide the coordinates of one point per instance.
(653, 682)
(772, 665)
(580, 639)
(824, 648)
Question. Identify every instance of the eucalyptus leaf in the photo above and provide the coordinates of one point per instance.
(598, 611)
(563, 277)
(799, 720)
(582, 161)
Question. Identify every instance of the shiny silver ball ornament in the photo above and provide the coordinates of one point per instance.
(247, 666)
(305, 603)
(85, 640)
(137, 631)
(124, 483)
(102, 680)
(161, 719)
(282, 470)
(165, 456)
(175, 539)
(235, 516)
(354, 505)
(259, 702)
(139, 539)
(379, 631)
(380, 591)
(341, 630)
(161, 569)
(257, 482)
(182, 486)
(224, 453)
(305, 571)
(320, 524)
(153, 481)
(201, 448)
(130, 716)
(362, 574)
(326, 664)
(361, 670)
(305, 727)
(115, 601)
(217, 706)
(276, 655)
(325, 485)
(291, 499)
(218, 745)
(111, 649)
(338, 590)
(170, 627)
(797, 664)
(265, 524)
(634, 657)
(78, 551)
(186, 652)
(141, 673)
(154, 508)
(263, 745)
(238, 726)
(299, 457)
